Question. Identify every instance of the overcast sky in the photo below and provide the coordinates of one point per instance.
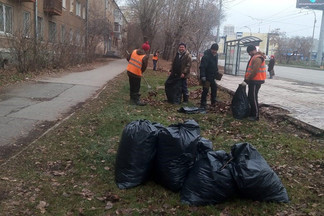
(265, 15)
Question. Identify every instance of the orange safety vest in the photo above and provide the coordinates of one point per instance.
(155, 57)
(135, 63)
(262, 72)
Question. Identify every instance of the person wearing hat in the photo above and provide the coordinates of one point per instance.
(137, 64)
(255, 75)
(208, 73)
(176, 84)
(271, 66)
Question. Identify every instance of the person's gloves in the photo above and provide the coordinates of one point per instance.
(203, 79)
(243, 83)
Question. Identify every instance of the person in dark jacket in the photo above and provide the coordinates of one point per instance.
(271, 66)
(208, 72)
(176, 84)
(137, 64)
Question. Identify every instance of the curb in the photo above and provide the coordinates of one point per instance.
(296, 122)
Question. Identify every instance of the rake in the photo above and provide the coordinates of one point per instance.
(148, 85)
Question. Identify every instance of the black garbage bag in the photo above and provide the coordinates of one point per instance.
(204, 145)
(240, 103)
(209, 181)
(136, 152)
(176, 153)
(191, 110)
(254, 177)
(173, 87)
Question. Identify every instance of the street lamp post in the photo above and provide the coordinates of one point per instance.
(249, 29)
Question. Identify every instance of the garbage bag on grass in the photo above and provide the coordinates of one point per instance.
(254, 177)
(173, 89)
(176, 153)
(209, 181)
(204, 145)
(136, 152)
(240, 103)
(192, 110)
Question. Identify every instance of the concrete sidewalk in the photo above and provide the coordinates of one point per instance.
(304, 101)
(31, 105)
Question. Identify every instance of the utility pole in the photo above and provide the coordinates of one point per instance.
(35, 20)
(321, 41)
(219, 16)
(36, 32)
(87, 28)
(311, 47)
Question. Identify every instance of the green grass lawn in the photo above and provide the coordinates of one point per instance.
(70, 170)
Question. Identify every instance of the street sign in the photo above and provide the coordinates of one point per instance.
(311, 4)
(239, 35)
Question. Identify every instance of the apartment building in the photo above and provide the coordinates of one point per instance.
(58, 21)
(115, 38)
(54, 21)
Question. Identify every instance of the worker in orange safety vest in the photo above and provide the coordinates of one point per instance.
(255, 75)
(137, 64)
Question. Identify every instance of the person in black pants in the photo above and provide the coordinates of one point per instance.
(271, 66)
(137, 64)
(176, 84)
(208, 72)
(255, 75)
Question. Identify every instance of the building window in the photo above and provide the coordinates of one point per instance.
(78, 9)
(51, 31)
(40, 31)
(106, 4)
(26, 24)
(84, 13)
(64, 3)
(71, 6)
(5, 18)
(71, 36)
(63, 34)
(116, 27)
(77, 38)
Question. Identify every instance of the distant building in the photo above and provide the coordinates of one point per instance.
(229, 30)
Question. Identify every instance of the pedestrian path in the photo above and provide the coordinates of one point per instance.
(304, 101)
(29, 105)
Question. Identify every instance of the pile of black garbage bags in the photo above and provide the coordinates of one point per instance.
(179, 159)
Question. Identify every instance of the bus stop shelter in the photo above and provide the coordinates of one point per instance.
(236, 57)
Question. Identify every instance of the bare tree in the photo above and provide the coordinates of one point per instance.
(175, 21)
(200, 29)
(148, 15)
(176, 18)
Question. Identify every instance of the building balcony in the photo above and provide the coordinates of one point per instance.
(53, 7)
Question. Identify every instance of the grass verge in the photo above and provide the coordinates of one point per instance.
(70, 171)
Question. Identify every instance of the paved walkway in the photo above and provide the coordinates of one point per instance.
(27, 106)
(304, 101)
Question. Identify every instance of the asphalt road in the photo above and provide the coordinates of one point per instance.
(298, 74)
